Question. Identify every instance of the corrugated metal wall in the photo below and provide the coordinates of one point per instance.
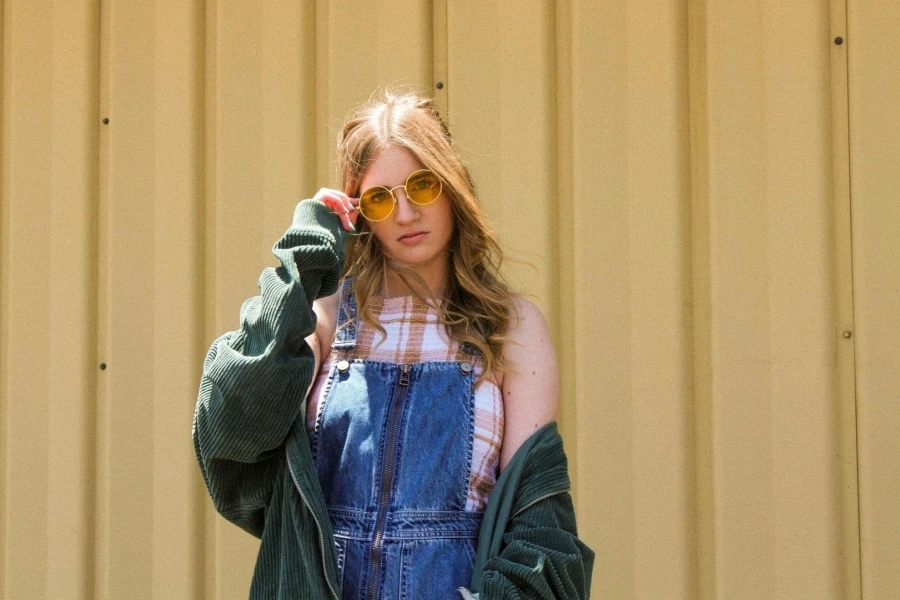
(673, 180)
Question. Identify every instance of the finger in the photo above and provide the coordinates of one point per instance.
(354, 209)
(345, 215)
(338, 203)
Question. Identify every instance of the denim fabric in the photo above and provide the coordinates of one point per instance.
(392, 452)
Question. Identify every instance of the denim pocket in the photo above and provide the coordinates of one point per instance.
(435, 568)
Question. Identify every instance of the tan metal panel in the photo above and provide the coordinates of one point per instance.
(126, 445)
(563, 302)
(28, 196)
(654, 263)
(773, 315)
(629, 265)
(500, 90)
(766, 275)
(153, 282)
(47, 371)
(874, 57)
(362, 46)
(177, 316)
(261, 162)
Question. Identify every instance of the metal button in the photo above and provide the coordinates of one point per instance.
(343, 366)
(466, 368)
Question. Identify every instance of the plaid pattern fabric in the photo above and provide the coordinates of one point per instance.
(414, 334)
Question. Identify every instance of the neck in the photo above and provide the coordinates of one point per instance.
(435, 275)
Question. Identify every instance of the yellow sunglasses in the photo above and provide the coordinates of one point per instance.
(422, 187)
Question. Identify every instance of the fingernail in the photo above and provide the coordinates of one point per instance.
(352, 228)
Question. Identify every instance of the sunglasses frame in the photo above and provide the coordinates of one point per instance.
(391, 192)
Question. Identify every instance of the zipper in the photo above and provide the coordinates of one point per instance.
(318, 525)
(544, 497)
(386, 481)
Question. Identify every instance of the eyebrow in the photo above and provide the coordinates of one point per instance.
(390, 187)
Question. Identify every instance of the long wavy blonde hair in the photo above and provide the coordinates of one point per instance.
(476, 306)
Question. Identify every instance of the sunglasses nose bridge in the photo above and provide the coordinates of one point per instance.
(398, 187)
(406, 210)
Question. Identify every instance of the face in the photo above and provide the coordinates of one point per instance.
(413, 235)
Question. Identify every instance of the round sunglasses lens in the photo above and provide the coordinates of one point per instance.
(423, 187)
(376, 203)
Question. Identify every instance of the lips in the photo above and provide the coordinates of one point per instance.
(411, 236)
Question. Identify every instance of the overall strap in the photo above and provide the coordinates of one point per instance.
(347, 328)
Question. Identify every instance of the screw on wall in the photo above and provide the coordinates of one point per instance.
(838, 40)
(106, 121)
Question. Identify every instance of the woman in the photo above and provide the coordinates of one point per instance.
(430, 378)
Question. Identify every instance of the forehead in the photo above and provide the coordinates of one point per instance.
(390, 168)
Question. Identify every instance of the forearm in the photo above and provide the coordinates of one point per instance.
(542, 556)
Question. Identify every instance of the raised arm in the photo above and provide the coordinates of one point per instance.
(255, 378)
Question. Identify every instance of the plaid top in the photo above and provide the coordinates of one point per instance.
(414, 334)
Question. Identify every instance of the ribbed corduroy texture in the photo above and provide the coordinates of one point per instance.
(251, 444)
(249, 413)
(528, 546)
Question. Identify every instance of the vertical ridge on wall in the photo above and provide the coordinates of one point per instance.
(210, 306)
(740, 317)
(101, 479)
(699, 336)
(842, 282)
(132, 244)
(261, 89)
(601, 311)
(71, 351)
(872, 48)
(439, 68)
(4, 287)
(563, 302)
(772, 310)
(322, 73)
(655, 262)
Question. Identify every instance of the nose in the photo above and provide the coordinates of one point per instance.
(406, 210)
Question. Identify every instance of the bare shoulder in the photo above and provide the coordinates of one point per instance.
(529, 341)
(530, 387)
(527, 319)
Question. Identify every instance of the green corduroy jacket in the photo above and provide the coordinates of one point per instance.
(251, 443)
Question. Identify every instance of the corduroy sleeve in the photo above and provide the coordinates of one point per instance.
(528, 545)
(542, 556)
(255, 379)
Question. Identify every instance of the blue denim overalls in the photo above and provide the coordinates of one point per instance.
(392, 446)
